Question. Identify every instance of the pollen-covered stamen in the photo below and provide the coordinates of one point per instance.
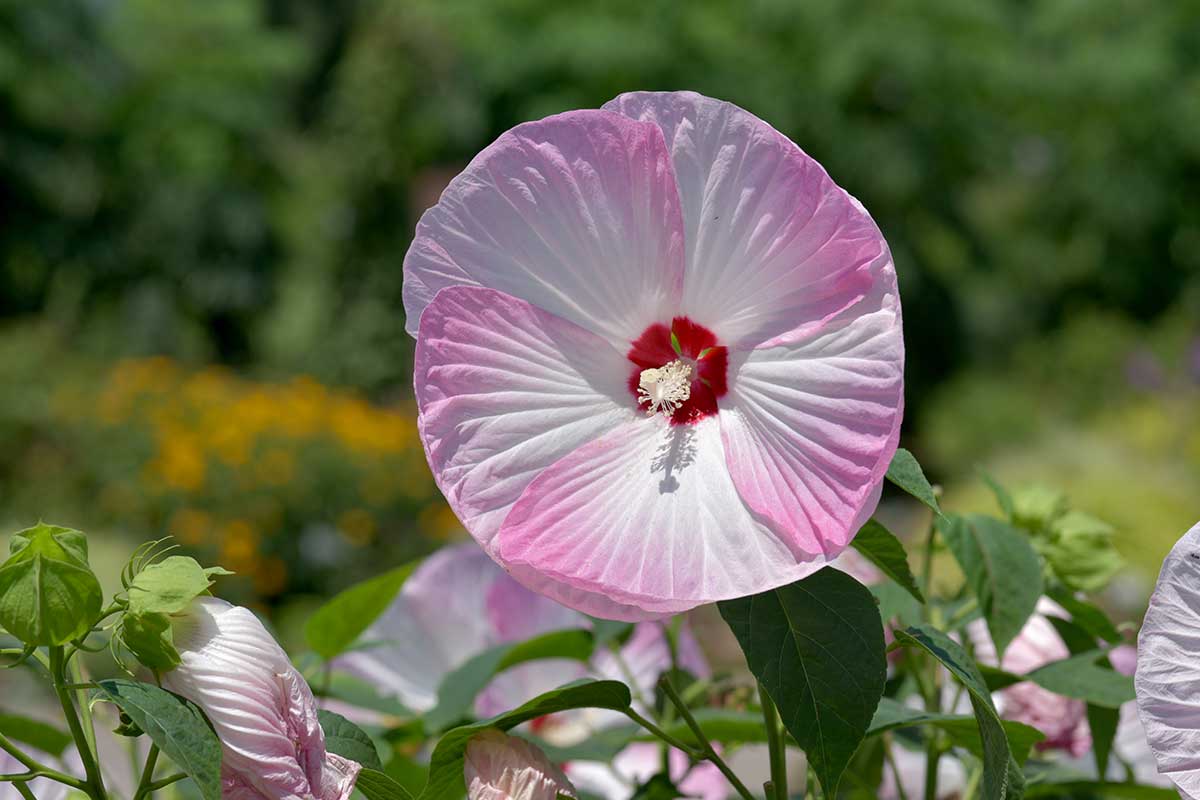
(665, 388)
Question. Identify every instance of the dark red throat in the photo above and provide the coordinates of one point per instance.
(696, 343)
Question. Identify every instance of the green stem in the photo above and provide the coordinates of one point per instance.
(776, 744)
(663, 735)
(95, 782)
(36, 770)
(705, 745)
(931, 689)
(891, 760)
(163, 782)
(933, 754)
(147, 773)
(24, 790)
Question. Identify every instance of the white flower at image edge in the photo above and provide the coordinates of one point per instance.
(259, 705)
(502, 767)
(1167, 680)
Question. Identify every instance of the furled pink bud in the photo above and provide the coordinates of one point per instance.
(503, 767)
(259, 705)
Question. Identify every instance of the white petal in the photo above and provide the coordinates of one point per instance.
(771, 241)
(649, 508)
(810, 426)
(576, 213)
(1168, 673)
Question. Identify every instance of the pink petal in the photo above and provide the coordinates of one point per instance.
(649, 515)
(505, 390)
(502, 767)
(259, 705)
(1062, 719)
(810, 427)
(1167, 679)
(772, 243)
(576, 213)
(442, 605)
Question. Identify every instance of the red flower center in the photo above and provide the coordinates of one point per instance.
(692, 345)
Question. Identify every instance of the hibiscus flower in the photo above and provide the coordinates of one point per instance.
(1167, 680)
(659, 355)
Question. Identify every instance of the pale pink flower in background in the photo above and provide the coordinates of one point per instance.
(461, 603)
(1062, 719)
(659, 355)
(42, 788)
(910, 764)
(638, 763)
(259, 705)
(1167, 680)
(502, 767)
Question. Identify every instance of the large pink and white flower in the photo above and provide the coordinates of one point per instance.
(1062, 719)
(259, 705)
(1167, 681)
(659, 355)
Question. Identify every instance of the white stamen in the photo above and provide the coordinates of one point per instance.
(665, 388)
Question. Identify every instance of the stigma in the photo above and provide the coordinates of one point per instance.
(664, 389)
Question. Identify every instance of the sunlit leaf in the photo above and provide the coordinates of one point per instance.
(335, 625)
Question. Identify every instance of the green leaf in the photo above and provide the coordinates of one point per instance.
(817, 647)
(48, 593)
(1087, 616)
(996, 678)
(446, 764)
(999, 780)
(962, 729)
(1003, 498)
(1096, 789)
(344, 738)
(1001, 568)
(905, 472)
(335, 625)
(1082, 678)
(1080, 550)
(884, 550)
(458, 689)
(177, 726)
(895, 603)
(151, 640)
(376, 785)
(34, 733)
(408, 772)
(170, 585)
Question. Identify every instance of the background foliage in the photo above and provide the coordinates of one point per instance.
(205, 208)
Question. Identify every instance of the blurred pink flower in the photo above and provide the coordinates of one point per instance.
(502, 767)
(1167, 680)
(639, 762)
(1061, 719)
(659, 355)
(460, 603)
(259, 705)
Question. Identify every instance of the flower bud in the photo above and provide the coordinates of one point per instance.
(259, 705)
(503, 767)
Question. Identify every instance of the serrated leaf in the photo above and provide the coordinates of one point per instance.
(458, 689)
(35, 733)
(344, 738)
(999, 780)
(177, 726)
(376, 785)
(905, 472)
(48, 593)
(335, 625)
(1001, 568)
(446, 764)
(881, 547)
(817, 648)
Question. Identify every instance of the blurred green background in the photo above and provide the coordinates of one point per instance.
(204, 208)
